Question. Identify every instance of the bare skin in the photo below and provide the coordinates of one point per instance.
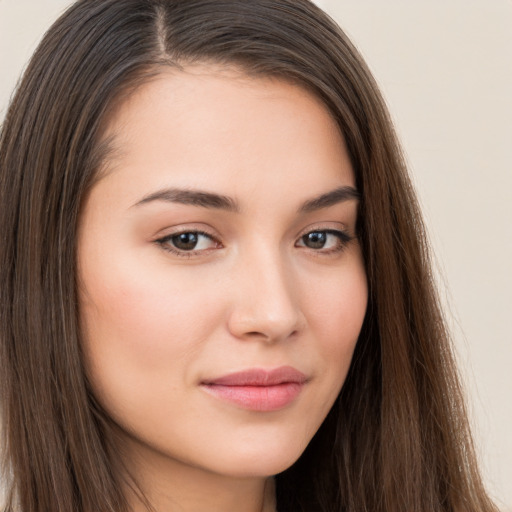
(221, 240)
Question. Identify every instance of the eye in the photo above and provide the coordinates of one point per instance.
(325, 240)
(188, 242)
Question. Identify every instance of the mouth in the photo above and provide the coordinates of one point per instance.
(258, 389)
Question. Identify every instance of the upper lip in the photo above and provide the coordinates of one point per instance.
(259, 377)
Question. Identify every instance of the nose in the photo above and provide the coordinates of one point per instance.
(266, 303)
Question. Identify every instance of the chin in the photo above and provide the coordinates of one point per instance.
(262, 461)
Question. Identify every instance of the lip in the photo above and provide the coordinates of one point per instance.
(258, 389)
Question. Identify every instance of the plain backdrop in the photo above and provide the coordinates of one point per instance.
(445, 68)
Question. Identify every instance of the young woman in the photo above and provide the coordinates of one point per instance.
(215, 286)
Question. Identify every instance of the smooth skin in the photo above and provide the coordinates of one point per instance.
(178, 288)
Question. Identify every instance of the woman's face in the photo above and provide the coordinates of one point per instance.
(222, 287)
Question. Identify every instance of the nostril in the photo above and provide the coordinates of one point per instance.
(269, 337)
(258, 334)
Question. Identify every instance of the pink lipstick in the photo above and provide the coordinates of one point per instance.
(258, 389)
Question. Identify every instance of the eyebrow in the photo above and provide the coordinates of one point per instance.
(192, 197)
(220, 202)
(338, 195)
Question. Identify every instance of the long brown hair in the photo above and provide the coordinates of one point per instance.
(397, 437)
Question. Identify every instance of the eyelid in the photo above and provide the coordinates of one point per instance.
(332, 227)
(192, 227)
(343, 234)
(162, 241)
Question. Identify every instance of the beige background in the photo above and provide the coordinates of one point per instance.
(445, 67)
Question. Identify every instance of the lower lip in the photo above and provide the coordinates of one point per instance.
(257, 398)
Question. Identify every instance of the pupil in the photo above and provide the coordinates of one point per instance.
(185, 241)
(315, 240)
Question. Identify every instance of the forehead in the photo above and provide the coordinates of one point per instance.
(216, 125)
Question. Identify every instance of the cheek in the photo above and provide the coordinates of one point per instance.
(338, 306)
(337, 310)
(142, 339)
(138, 327)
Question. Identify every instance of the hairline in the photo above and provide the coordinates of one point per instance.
(107, 151)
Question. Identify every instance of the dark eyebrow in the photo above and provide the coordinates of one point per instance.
(192, 197)
(221, 202)
(331, 198)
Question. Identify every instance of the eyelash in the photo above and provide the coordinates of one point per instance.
(164, 242)
(344, 238)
